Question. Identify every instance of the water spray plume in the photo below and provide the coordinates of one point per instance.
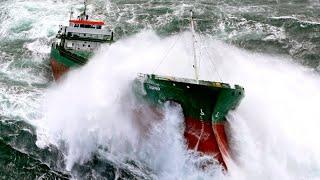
(274, 131)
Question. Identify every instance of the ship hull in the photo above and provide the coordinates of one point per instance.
(58, 69)
(203, 137)
(61, 62)
(204, 104)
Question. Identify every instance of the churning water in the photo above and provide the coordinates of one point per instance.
(86, 127)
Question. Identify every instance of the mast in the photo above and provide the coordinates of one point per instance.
(194, 41)
(85, 7)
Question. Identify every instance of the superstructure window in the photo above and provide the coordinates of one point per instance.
(69, 45)
(76, 25)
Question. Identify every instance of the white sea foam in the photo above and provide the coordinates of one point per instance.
(32, 19)
(274, 131)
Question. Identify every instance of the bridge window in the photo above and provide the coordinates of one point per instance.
(76, 25)
(69, 45)
(98, 27)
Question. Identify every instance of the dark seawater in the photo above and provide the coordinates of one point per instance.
(280, 28)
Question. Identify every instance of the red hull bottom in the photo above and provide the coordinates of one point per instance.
(58, 69)
(208, 138)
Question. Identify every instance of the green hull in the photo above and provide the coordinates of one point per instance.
(61, 60)
(206, 101)
(67, 58)
(205, 106)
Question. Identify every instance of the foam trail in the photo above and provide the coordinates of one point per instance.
(274, 125)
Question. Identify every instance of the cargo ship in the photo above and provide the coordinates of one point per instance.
(76, 43)
(205, 104)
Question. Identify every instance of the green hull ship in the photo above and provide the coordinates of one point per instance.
(75, 44)
(205, 104)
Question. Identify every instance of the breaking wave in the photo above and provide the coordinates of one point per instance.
(91, 112)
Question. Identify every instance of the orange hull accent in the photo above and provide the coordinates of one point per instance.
(58, 69)
(207, 138)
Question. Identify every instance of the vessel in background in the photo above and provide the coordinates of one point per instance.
(76, 43)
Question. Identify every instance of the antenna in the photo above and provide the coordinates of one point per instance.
(71, 13)
(194, 41)
(85, 7)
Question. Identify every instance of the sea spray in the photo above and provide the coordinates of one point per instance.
(91, 107)
(273, 132)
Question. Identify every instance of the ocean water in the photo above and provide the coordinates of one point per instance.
(85, 128)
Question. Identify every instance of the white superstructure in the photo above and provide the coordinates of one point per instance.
(83, 34)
